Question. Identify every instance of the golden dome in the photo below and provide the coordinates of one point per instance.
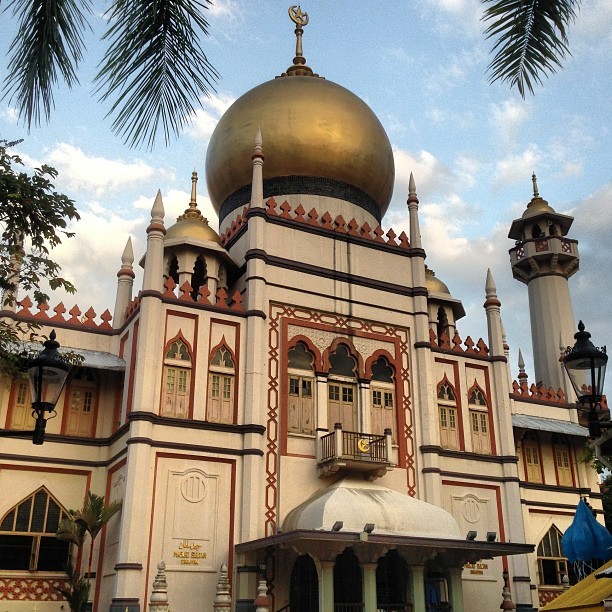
(537, 205)
(192, 224)
(433, 283)
(318, 138)
(192, 228)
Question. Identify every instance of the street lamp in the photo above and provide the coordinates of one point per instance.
(47, 373)
(585, 365)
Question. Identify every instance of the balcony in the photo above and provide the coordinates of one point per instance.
(354, 452)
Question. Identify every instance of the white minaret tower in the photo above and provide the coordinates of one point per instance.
(544, 258)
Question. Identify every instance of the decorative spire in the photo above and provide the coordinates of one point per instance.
(413, 214)
(534, 180)
(490, 288)
(159, 594)
(494, 325)
(223, 597)
(299, 67)
(522, 375)
(127, 258)
(192, 213)
(257, 179)
(537, 201)
(158, 212)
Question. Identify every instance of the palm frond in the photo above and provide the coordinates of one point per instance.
(155, 70)
(531, 39)
(49, 41)
(70, 531)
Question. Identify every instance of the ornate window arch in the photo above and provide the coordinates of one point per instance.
(27, 535)
(552, 564)
(342, 401)
(177, 378)
(479, 420)
(301, 404)
(221, 384)
(383, 411)
(448, 415)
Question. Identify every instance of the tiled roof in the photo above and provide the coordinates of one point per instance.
(545, 424)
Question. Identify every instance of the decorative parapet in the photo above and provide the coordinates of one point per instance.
(455, 345)
(77, 318)
(324, 221)
(520, 390)
(31, 589)
(221, 300)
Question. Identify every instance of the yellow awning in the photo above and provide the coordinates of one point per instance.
(586, 596)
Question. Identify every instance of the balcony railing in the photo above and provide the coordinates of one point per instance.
(354, 451)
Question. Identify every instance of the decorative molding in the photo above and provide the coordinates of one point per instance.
(32, 589)
(241, 452)
(194, 424)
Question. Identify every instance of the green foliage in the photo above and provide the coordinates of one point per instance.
(531, 39)
(77, 593)
(153, 73)
(588, 458)
(33, 221)
(74, 528)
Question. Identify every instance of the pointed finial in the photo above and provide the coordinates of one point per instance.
(127, 258)
(490, 288)
(194, 182)
(299, 67)
(521, 361)
(157, 212)
(534, 180)
(412, 192)
(258, 147)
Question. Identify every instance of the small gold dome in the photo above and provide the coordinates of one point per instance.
(192, 228)
(315, 134)
(433, 283)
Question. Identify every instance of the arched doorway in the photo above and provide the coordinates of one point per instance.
(391, 583)
(304, 586)
(348, 587)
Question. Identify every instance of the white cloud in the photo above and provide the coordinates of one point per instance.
(10, 114)
(430, 175)
(466, 169)
(89, 173)
(507, 118)
(513, 169)
(206, 118)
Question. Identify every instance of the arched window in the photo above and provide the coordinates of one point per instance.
(21, 400)
(382, 392)
(442, 325)
(177, 381)
(563, 462)
(300, 407)
(304, 585)
(448, 415)
(552, 565)
(391, 582)
(173, 269)
(81, 404)
(342, 390)
(27, 535)
(479, 420)
(198, 278)
(348, 582)
(531, 457)
(221, 376)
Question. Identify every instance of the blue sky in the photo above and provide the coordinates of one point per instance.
(421, 66)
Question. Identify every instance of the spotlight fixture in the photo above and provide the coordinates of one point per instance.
(338, 525)
(491, 536)
(369, 527)
(471, 535)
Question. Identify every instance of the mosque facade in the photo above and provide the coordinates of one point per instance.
(289, 401)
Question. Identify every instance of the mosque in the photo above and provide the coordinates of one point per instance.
(293, 398)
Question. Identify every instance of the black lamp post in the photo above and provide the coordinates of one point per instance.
(585, 365)
(48, 374)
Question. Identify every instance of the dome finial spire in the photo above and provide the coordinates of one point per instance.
(194, 180)
(534, 180)
(299, 67)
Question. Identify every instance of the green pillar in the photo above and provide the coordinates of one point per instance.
(456, 590)
(369, 586)
(326, 586)
(417, 572)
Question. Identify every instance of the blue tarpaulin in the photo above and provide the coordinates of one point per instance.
(585, 538)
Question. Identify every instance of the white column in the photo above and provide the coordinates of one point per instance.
(456, 590)
(417, 575)
(326, 585)
(369, 586)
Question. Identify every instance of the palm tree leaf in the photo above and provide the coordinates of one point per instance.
(530, 39)
(154, 71)
(49, 43)
(69, 530)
